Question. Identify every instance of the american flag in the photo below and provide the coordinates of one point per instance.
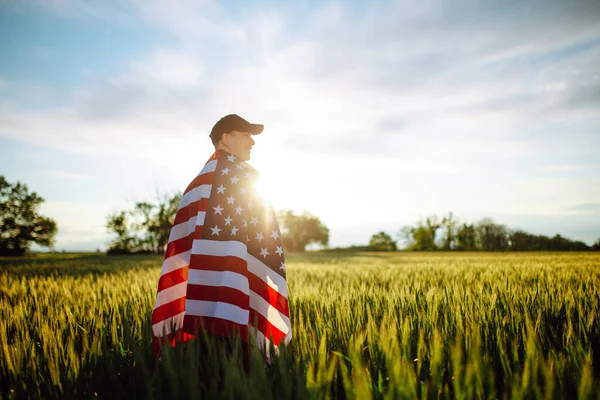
(224, 268)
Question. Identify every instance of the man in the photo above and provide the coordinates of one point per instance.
(224, 270)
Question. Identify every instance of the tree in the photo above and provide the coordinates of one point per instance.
(596, 245)
(20, 223)
(466, 238)
(145, 228)
(449, 225)
(422, 236)
(299, 231)
(491, 236)
(522, 241)
(382, 242)
(156, 221)
(119, 224)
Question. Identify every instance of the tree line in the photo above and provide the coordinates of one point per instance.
(145, 228)
(447, 234)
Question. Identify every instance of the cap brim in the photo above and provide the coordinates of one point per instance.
(255, 129)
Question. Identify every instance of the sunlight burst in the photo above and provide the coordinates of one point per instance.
(264, 190)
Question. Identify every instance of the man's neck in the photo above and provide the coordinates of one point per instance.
(224, 148)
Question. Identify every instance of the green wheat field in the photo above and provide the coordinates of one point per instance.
(366, 325)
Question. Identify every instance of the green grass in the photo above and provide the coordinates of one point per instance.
(435, 325)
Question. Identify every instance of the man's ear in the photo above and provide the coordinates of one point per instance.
(225, 139)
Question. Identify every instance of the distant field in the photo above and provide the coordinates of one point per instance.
(436, 325)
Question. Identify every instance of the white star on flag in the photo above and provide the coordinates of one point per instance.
(239, 166)
(254, 221)
(215, 230)
(275, 235)
(239, 210)
(228, 220)
(218, 209)
(279, 250)
(234, 180)
(282, 267)
(234, 230)
(259, 236)
(264, 252)
(243, 191)
(231, 158)
(245, 224)
(221, 189)
(225, 171)
(230, 200)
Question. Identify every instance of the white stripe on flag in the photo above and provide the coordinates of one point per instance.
(263, 343)
(171, 293)
(165, 325)
(261, 340)
(217, 309)
(185, 228)
(202, 191)
(175, 262)
(287, 337)
(272, 278)
(276, 318)
(210, 166)
(219, 278)
(220, 248)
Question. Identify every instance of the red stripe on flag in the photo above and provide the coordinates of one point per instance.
(179, 246)
(204, 179)
(198, 232)
(192, 209)
(194, 324)
(184, 244)
(169, 339)
(219, 263)
(222, 294)
(267, 328)
(173, 278)
(272, 296)
(168, 310)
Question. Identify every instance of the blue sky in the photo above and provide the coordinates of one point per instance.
(376, 113)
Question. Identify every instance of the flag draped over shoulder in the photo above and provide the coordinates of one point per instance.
(224, 268)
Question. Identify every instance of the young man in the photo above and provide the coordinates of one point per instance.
(224, 270)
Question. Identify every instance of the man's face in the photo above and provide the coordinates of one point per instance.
(239, 143)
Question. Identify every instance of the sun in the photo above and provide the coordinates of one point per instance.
(264, 190)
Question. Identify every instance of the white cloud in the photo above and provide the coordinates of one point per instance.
(188, 20)
(328, 84)
(68, 175)
(558, 168)
(74, 8)
(164, 67)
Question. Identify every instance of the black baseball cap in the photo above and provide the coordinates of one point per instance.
(233, 122)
